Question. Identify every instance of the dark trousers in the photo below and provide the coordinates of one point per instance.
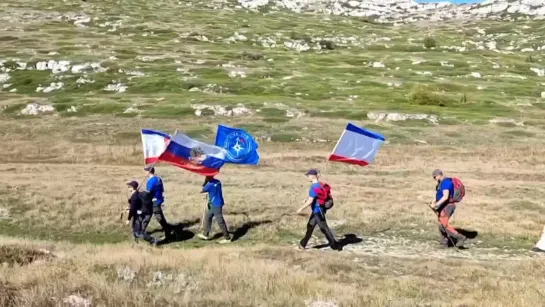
(217, 213)
(139, 225)
(318, 219)
(160, 217)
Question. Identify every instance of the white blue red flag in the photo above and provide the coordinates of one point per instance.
(154, 143)
(194, 156)
(357, 146)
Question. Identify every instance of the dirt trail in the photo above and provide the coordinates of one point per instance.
(384, 245)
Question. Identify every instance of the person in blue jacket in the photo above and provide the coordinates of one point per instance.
(212, 187)
(155, 187)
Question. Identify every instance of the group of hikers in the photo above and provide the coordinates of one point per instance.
(145, 203)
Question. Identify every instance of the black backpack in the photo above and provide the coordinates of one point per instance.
(147, 202)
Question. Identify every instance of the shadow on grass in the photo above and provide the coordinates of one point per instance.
(348, 239)
(179, 231)
(243, 230)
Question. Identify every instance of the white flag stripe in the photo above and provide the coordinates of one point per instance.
(153, 145)
(357, 146)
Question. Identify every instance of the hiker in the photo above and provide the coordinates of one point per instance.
(445, 207)
(215, 203)
(140, 210)
(317, 215)
(155, 187)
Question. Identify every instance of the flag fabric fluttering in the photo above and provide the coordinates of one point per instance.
(194, 156)
(154, 143)
(357, 146)
(240, 146)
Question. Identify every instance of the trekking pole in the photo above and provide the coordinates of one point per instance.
(446, 231)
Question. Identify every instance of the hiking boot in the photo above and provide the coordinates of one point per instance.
(301, 247)
(460, 240)
(537, 250)
(154, 242)
(224, 241)
(444, 241)
(203, 237)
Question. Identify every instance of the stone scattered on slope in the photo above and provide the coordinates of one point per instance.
(52, 87)
(131, 110)
(539, 71)
(382, 116)
(4, 78)
(218, 110)
(36, 109)
(77, 301)
(506, 121)
(406, 11)
(4, 213)
(126, 274)
(116, 87)
(321, 304)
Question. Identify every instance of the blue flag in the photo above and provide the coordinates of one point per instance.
(240, 145)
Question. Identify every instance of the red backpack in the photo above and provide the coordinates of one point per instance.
(323, 195)
(459, 191)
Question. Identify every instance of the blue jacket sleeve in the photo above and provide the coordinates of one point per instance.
(206, 188)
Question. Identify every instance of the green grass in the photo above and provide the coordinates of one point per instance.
(314, 81)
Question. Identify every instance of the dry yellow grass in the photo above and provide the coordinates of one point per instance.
(63, 179)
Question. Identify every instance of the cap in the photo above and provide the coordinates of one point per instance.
(437, 172)
(312, 172)
(133, 184)
(149, 169)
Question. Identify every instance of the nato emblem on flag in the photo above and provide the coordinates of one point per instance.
(241, 147)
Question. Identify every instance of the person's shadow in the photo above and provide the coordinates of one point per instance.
(244, 228)
(348, 239)
(179, 231)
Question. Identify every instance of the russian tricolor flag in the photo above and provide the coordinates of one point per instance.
(357, 146)
(154, 143)
(194, 156)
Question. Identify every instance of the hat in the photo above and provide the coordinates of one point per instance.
(149, 169)
(133, 184)
(437, 172)
(312, 172)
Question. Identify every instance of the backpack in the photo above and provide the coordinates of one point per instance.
(323, 195)
(459, 191)
(147, 202)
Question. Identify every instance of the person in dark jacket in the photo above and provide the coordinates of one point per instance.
(140, 211)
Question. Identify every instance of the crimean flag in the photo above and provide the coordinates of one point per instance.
(357, 146)
(154, 143)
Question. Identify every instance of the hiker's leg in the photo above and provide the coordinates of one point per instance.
(322, 223)
(310, 229)
(160, 217)
(145, 222)
(444, 217)
(451, 232)
(218, 215)
(136, 227)
(208, 221)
